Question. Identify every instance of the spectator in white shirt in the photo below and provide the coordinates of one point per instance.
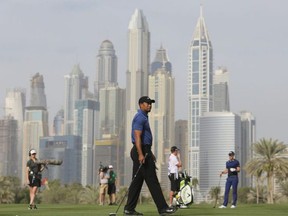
(173, 169)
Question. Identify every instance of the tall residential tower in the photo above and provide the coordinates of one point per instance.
(15, 102)
(106, 68)
(137, 74)
(162, 117)
(36, 120)
(76, 88)
(200, 90)
(221, 90)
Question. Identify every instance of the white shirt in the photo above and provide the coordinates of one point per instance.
(172, 168)
(104, 177)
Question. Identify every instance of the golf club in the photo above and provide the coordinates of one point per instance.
(114, 214)
(217, 191)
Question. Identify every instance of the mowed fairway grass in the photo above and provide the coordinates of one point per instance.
(147, 209)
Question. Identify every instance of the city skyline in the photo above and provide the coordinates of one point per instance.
(240, 33)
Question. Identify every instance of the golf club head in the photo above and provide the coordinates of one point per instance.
(112, 214)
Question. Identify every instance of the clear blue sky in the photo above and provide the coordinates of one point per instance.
(249, 37)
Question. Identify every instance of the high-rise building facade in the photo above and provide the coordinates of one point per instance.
(162, 117)
(15, 102)
(181, 140)
(37, 94)
(86, 117)
(8, 147)
(58, 123)
(248, 135)
(161, 61)
(107, 91)
(36, 120)
(221, 90)
(200, 90)
(112, 109)
(34, 127)
(220, 132)
(137, 75)
(65, 148)
(76, 88)
(106, 67)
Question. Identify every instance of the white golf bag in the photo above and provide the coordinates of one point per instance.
(185, 194)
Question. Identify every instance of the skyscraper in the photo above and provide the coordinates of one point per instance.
(112, 109)
(162, 117)
(137, 74)
(15, 102)
(200, 90)
(106, 70)
(36, 120)
(58, 123)
(86, 115)
(161, 61)
(221, 90)
(181, 139)
(248, 135)
(76, 88)
(66, 148)
(8, 147)
(107, 91)
(112, 114)
(37, 94)
(220, 132)
(138, 60)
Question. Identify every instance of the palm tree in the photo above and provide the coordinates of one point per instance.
(259, 179)
(284, 188)
(267, 159)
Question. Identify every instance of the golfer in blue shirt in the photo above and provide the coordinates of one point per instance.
(232, 169)
(142, 142)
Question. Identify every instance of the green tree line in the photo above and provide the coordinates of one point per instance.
(269, 165)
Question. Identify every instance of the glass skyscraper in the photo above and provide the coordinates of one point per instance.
(86, 117)
(221, 100)
(200, 90)
(76, 88)
(220, 132)
(36, 120)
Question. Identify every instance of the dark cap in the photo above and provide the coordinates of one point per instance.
(231, 153)
(146, 99)
(174, 148)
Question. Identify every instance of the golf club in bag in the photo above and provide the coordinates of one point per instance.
(185, 195)
(114, 214)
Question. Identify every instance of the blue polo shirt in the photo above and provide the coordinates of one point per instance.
(140, 122)
(232, 164)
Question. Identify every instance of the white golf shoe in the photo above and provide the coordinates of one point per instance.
(222, 206)
(233, 206)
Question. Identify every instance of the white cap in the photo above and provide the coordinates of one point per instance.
(110, 167)
(33, 151)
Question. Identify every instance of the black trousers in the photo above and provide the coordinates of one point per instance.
(147, 173)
